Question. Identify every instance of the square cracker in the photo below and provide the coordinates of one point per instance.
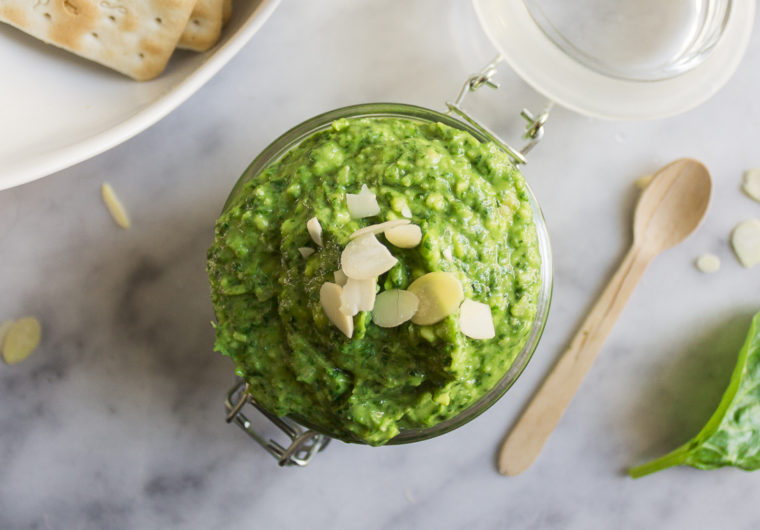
(204, 27)
(134, 37)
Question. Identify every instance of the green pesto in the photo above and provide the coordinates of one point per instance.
(477, 223)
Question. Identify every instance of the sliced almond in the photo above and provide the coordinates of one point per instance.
(363, 204)
(114, 205)
(315, 230)
(475, 320)
(329, 298)
(708, 263)
(643, 181)
(406, 211)
(751, 183)
(306, 251)
(365, 258)
(746, 242)
(21, 339)
(4, 327)
(406, 236)
(340, 277)
(440, 294)
(379, 228)
(358, 295)
(394, 307)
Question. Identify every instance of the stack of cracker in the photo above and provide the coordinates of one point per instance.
(134, 37)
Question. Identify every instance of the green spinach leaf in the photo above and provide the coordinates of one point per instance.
(732, 435)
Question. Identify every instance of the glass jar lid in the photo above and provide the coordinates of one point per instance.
(621, 59)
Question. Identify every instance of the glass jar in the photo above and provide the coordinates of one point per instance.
(586, 56)
(313, 440)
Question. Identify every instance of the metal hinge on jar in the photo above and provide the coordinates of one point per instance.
(304, 443)
(534, 130)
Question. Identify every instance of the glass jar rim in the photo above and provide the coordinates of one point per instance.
(293, 137)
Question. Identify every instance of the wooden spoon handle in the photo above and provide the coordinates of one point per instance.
(543, 413)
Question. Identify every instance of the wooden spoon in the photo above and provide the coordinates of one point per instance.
(670, 209)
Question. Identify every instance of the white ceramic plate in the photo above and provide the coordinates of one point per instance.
(58, 109)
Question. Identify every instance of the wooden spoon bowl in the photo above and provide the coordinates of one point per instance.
(672, 206)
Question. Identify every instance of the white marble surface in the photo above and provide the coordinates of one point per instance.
(117, 420)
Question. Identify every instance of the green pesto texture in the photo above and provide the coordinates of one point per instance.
(731, 436)
(477, 223)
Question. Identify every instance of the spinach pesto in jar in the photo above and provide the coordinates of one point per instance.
(267, 272)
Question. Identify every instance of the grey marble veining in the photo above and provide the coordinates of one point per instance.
(117, 420)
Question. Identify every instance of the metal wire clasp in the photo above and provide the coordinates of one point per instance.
(304, 443)
(534, 130)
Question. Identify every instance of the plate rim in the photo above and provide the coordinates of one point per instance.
(65, 157)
